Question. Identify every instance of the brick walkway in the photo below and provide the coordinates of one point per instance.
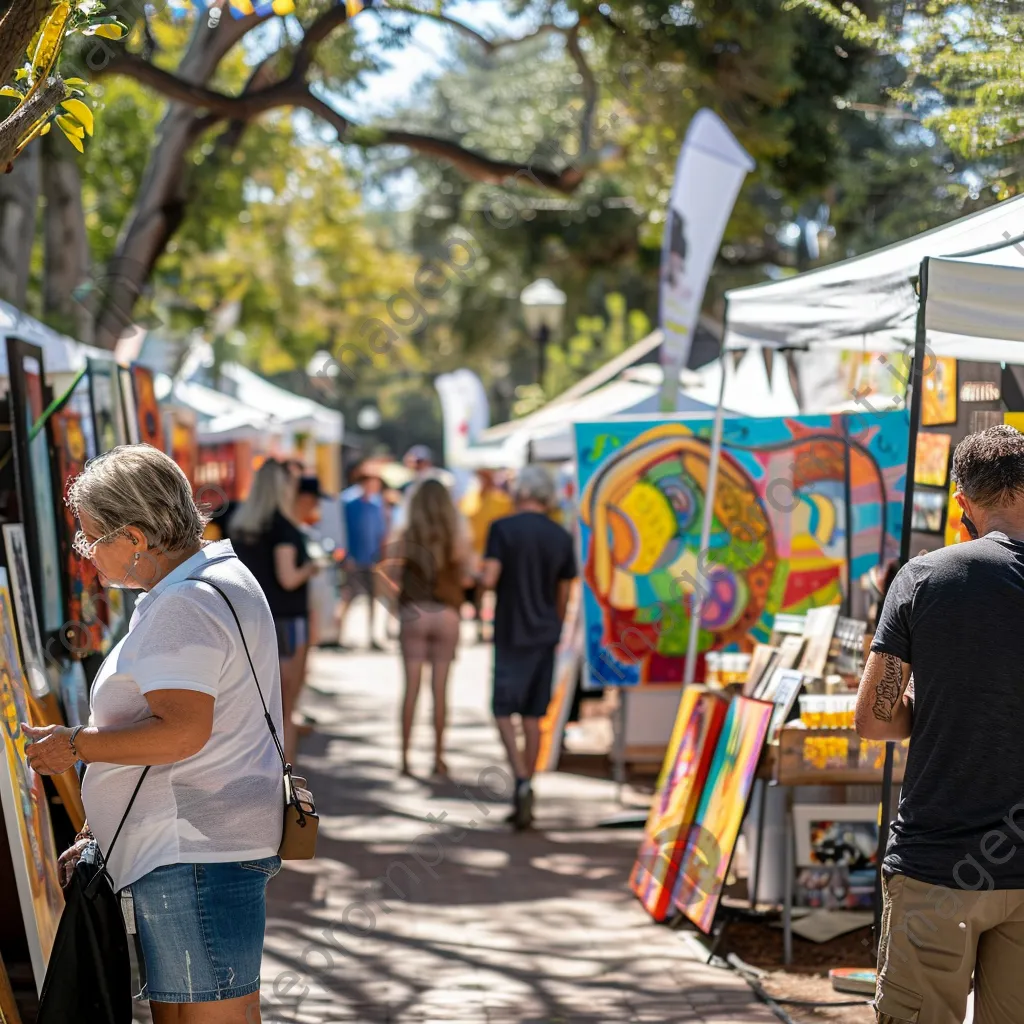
(424, 906)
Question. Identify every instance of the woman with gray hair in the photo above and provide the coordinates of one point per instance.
(182, 737)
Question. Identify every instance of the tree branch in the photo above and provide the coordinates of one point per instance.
(490, 46)
(14, 129)
(313, 36)
(17, 27)
(590, 90)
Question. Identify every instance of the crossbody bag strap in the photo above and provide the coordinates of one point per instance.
(252, 668)
(94, 884)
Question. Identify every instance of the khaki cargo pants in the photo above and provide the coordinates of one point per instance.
(934, 939)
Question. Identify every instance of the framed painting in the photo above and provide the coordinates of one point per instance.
(843, 835)
(787, 686)
(183, 443)
(762, 663)
(25, 807)
(938, 394)
(107, 407)
(723, 803)
(32, 654)
(931, 467)
(818, 630)
(929, 511)
(148, 420)
(680, 784)
(35, 479)
(75, 445)
(129, 409)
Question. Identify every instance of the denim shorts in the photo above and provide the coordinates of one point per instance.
(200, 929)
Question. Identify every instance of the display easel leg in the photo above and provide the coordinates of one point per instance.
(755, 869)
(787, 893)
(718, 936)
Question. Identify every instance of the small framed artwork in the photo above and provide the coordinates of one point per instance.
(25, 608)
(931, 467)
(787, 684)
(838, 835)
(790, 650)
(819, 627)
(762, 663)
(928, 514)
(938, 394)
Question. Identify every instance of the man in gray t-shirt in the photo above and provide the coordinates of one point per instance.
(954, 868)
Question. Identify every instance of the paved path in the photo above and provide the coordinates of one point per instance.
(424, 906)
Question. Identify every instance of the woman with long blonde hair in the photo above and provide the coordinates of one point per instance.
(436, 567)
(266, 536)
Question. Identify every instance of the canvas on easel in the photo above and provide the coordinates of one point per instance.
(107, 407)
(25, 807)
(723, 803)
(683, 773)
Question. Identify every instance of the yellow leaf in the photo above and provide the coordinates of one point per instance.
(70, 127)
(76, 83)
(50, 38)
(45, 131)
(21, 74)
(73, 139)
(106, 31)
(80, 112)
(9, 90)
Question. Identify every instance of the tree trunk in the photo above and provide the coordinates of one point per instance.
(17, 27)
(160, 203)
(66, 259)
(19, 200)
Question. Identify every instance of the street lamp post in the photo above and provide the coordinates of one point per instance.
(543, 308)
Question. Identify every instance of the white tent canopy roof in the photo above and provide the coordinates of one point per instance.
(61, 354)
(870, 302)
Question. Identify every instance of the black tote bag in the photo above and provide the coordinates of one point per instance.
(89, 976)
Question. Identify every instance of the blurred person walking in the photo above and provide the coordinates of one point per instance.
(366, 526)
(420, 460)
(436, 564)
(268, 538)
(178, 720)
(481, 507)
(530, 562)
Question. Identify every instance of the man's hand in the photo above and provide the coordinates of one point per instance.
(49, 750)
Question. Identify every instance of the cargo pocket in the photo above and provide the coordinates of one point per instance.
(896, 1005)
(939, 941)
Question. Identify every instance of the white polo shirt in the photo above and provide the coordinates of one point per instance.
(225, 803)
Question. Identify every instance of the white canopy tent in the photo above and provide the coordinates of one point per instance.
(870, 302)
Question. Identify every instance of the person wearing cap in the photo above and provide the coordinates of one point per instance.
(366, 527)
(420, 459)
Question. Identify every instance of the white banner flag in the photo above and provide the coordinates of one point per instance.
(466, 413)
(711, 168)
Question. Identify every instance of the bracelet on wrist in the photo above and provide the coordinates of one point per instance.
(71, 742)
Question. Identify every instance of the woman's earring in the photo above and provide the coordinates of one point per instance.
(138, 555)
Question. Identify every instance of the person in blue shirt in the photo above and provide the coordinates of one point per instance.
(366, 527)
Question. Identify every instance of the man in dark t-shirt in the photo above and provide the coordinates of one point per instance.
(529, 561)
(953, 873)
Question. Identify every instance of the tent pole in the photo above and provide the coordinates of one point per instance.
(690, 669)
(848, 513)
(917, 376)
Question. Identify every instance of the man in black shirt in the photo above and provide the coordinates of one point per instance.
(953, 873)
(530, 562)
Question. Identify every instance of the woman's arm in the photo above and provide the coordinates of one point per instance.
(180, 724)
(286, 567)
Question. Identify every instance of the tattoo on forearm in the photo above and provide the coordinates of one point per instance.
(887, 693)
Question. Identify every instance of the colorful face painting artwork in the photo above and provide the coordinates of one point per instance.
(716, 825)
(778, 538)
(147, 409)
(679, 788)
(86, 602)
(25, 808)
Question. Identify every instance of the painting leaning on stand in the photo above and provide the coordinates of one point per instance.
(178, 694)
(953, 873)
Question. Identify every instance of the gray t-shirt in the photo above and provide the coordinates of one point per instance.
(957, 617)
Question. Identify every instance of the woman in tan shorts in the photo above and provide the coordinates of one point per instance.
(436, 567)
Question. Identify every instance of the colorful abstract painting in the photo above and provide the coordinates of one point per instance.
(25, 808)
(778, 539)
(147, 409)
(86, 602)
(680, 785)
(938, 394)
(716, 825)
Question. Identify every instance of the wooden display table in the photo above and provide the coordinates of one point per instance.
(831, 757)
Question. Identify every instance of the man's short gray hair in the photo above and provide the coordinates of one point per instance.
(534, 483)
(137, 485)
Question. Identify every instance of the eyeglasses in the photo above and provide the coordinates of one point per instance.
(85, 548)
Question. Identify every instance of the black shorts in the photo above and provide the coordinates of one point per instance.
(522, 681)
(292, 634)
